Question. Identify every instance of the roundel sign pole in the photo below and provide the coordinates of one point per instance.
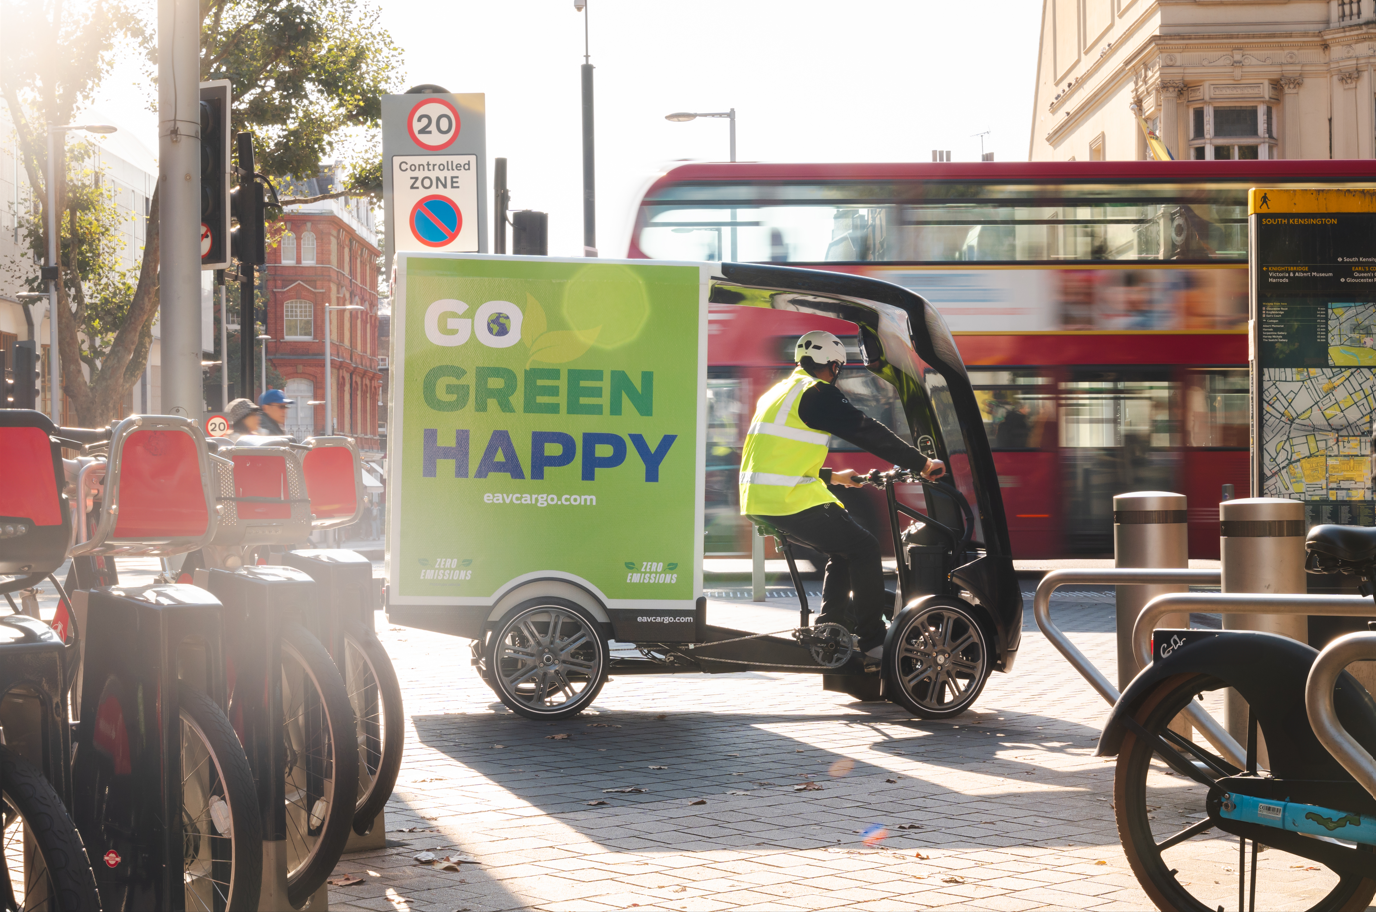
(434, 173)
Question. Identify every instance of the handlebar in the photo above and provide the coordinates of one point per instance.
(897, 475)
(79, 438)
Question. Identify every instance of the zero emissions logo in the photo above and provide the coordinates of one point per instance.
(496, 324)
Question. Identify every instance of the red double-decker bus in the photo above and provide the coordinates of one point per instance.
(1101, 308)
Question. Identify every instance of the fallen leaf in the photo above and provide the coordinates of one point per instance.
(344, 880)
(891, 781)
(921, 856)
(953, 879)
(679, 889)
(425, 858)
(1101, 862)
(596, 803)
(807, 787)
(447, 866)
(659, 767)
(628, 790)
(699, 801)
(559, 737)
(661, 717)
(910, 826)
(462, 859)
(498, 746)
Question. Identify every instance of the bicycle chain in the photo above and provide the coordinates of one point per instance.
(693, 647)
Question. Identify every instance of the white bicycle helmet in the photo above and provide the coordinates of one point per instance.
(820, 346)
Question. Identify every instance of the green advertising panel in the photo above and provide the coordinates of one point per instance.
(546, 422)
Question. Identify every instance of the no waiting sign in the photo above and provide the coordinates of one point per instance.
(435, 203)
(434, 148)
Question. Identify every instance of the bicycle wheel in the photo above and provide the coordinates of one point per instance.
(937, 661)
(548, 659)
(1183, 862)
(43, 865)
(222, 837)
(321, 784)
(375, 697)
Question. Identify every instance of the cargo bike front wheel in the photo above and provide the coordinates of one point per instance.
(547, 659)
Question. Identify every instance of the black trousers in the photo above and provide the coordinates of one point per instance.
(853, 587)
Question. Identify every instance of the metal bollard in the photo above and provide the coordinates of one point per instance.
(1149, 531)
(1262, 547)
(758, 580)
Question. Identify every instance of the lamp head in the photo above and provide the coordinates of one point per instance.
(681, 117)
(580, 5)
(99, 128)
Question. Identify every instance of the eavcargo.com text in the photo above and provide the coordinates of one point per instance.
(543, 500)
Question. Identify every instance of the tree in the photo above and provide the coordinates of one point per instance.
(308, 81)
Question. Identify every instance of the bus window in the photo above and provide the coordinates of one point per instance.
(726, 423)
(1018, 407)
(1216, 408)
(1118, 433)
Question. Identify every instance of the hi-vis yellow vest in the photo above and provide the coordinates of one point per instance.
(783, 455)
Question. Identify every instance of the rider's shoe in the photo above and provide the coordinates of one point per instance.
(872, 644)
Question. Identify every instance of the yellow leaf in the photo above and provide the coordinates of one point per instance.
(562, 346)
(535, 322)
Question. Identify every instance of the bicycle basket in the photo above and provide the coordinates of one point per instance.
(159, 498)
(262, 493)
(334, 480)
(35, 522)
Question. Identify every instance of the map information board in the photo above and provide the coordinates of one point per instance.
(1314, 350)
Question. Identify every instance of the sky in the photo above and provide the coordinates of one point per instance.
(811, 81)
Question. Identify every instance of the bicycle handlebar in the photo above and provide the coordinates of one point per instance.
(83, 436)
(896, 475)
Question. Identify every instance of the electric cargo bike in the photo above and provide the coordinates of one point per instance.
(543, 645)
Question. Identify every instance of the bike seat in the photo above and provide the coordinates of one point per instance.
(1349, 544)
(765, 529)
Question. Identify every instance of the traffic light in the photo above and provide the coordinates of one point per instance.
(20, 379)
(248, 241)
(215, 167)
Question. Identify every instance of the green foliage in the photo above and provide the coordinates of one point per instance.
(308, 79)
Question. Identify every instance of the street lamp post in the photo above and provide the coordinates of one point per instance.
(684, 117)
(265, 339)
(329, 381)
(589, 171)
(51, 270)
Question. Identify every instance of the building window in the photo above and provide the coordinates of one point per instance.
(288, 249)
(307, 248)
(300, 414)
(299, 319)
(1232, 132)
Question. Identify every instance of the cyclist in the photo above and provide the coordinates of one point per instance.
(783, 482)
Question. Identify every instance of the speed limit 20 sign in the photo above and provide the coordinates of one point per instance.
(434, 124)
(434, 174)
(217, 426)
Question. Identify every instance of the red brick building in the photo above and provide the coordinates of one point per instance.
(327, 257)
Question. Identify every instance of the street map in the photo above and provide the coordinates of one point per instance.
(1315, 436)
(1352, 335)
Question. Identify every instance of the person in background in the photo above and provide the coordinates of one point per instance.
(243, 417)
(274, 405)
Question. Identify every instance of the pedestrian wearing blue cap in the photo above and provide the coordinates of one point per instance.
(274, 405)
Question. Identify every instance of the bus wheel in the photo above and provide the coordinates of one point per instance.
(547, 659)
(936, 660)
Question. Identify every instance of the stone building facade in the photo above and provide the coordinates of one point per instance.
(326, 255)
(1216, 79)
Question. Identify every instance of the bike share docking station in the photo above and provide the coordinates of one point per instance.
(288, 700)
(150, 672)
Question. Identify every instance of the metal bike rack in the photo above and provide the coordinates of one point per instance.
(1234, 603)
(1318, 701)
(1041, 609)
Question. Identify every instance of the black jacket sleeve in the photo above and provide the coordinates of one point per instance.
(825, 408)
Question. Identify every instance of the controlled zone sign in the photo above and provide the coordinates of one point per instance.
(1313, 330)
(435, 197)
(547, 422)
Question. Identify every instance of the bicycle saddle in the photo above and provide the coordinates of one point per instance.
(1348, 544)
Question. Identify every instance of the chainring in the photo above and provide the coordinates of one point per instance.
(831, 645)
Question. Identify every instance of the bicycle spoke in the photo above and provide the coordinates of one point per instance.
(1189, 832)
